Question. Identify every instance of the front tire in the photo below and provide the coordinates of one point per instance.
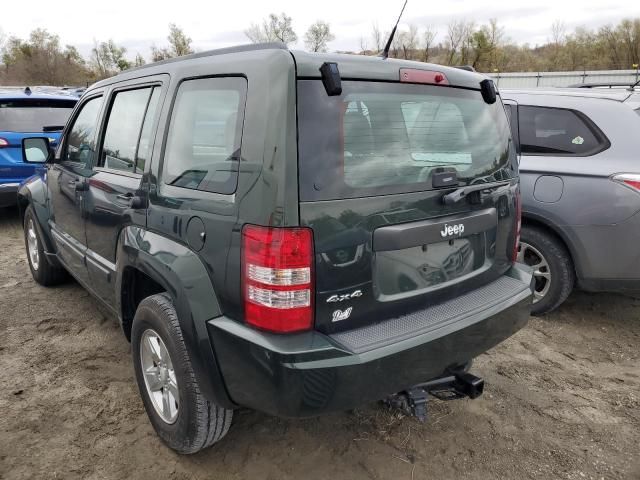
(182, 417)
(553, 268)
(41, 270)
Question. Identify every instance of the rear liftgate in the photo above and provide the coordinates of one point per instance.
(456, 384)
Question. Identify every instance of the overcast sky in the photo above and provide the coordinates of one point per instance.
(213, 24)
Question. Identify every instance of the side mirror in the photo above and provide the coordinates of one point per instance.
(36, 150)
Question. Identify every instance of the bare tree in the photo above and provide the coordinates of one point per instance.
(410, 42)
(495, 34)
(276, 28)
(317, 36)
(558, 33)
(466, 46)
(376, 36)
(139, 61)
(429, 37)
(558, 38)
(455, 36)
(364, 48)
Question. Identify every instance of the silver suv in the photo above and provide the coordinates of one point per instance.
(580, 181)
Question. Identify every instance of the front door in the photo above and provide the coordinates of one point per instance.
(116, 195)
(67, 182)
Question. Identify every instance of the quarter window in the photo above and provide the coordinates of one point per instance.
(203, 143)
(556, 131)
(125, 133)
(81, 140)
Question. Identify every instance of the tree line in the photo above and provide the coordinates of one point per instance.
(41, 59)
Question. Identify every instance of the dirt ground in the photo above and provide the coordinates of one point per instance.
(562, 400)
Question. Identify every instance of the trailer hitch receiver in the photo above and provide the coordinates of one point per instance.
(459, 384)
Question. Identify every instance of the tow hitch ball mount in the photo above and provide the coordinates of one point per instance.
(413, 401)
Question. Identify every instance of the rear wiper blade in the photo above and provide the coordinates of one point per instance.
(461, 193)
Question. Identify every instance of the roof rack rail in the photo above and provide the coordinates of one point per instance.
(611, 85)
(219, 51)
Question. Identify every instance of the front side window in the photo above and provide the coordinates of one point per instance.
(81, 140)
(123, 130)
(203, 144)
(558, 131)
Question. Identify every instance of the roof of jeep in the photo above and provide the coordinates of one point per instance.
(377, 68)
(308, 65)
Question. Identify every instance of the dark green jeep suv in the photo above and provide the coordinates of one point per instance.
(294, 233)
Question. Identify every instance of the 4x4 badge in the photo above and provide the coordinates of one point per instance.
(344, 296)
(341, 315)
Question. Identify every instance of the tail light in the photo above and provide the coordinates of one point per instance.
(516, 242)
(277, 266)
(629, 179)
(3, 143)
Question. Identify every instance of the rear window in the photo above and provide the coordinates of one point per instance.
(32, 115)
(382, 138)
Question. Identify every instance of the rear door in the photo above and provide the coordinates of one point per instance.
(116, 193)
(372, 164)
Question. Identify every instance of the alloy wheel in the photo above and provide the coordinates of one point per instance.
(531, 256)
(32, 245)
(159, 376)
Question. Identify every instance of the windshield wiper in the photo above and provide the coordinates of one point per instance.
(463, 192)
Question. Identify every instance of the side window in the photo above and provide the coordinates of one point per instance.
(123, 131)
(80, 145)
(203, 143)
(556, 131)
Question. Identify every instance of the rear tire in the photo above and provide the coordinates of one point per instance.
(191, 422)
(553, 268)
(41, 270)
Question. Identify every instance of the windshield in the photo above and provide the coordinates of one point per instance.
(380, 138)
(32, 115)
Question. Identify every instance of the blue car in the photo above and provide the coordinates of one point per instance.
(27, 113)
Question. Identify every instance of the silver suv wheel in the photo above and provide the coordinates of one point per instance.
(532, 257)
(32, 245)
(159, 376)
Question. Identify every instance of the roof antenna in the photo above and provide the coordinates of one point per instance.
(387, 47)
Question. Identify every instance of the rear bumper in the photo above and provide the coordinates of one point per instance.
(310, 373)
(8, 194)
